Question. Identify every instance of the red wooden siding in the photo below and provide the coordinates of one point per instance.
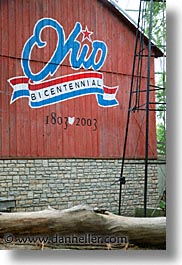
(92, 131)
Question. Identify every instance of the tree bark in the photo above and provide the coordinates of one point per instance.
(81, 220)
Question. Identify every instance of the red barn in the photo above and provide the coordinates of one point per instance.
(65, 77)
(65, 74)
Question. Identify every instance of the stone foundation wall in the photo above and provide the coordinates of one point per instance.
(62, 183)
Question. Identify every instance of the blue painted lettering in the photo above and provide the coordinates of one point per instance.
(78, 56)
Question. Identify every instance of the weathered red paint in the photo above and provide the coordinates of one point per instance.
(24, 131)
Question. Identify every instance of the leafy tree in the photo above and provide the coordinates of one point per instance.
(158, 22)
(159, 37)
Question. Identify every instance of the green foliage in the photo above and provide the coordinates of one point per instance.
(159, 37)
(161, 96)
(158, 22)
(161, 139)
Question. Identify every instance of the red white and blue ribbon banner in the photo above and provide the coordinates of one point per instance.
(44, 93)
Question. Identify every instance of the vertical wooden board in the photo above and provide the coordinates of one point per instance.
(1, 81)
(120, 113)
(113, 121)
(13, 62)
(136, 131)
(87, 101)
(85, 141)
(123, 97)
(153, 114)
(94, 109)
(152, 125)
(102, 29)
(0, 115)
(1, 109)
(64, 108)
(44, 146)
(12, 113)
(66, 19)
(25, 112)
(55, 111)
(5, 33)
(109, 123)
(104, 124)
(1, 29)
(63, 130)
(19, 29)
(126, 59)
(11, 28)
(17, 112)
(117, 118)
(4, 94)
(5, 111)
(23, 109)
(106, 33)
(76, 106)
(129, 47)
(5, 126)
(33, 112)
(40, 111)
(115, 45)
(47, 34)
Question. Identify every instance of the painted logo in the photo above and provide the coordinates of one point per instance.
(43, 92)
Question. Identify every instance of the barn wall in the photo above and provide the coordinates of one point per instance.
(62, 183)
(78, 127)
(69, 152)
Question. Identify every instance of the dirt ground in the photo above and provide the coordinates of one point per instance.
(42, 246)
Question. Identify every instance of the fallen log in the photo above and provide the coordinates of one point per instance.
(81, 220)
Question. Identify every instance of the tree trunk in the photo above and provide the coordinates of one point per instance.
(81, 220)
